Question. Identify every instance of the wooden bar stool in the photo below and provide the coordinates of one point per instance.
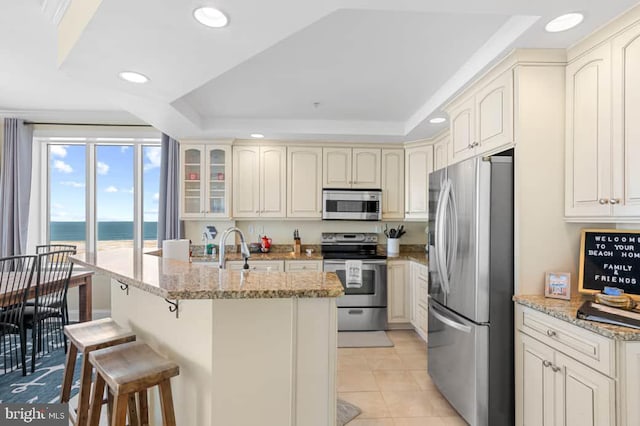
(86, 337)
(127, 370)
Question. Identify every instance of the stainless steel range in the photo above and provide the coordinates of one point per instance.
(364, 304)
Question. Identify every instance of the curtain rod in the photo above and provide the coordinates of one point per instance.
(86, 124)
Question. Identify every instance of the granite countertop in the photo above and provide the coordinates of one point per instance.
(566, 310)
(175, 279)
(261, 256)
(415, 256)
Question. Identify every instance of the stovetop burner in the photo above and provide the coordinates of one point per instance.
(342, 255)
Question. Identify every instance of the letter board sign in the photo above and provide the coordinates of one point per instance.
(610, 258)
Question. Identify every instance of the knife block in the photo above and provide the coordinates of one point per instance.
(296, 246)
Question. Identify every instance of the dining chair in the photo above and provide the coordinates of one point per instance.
(16, 275)
(46, 248)
(48, 315)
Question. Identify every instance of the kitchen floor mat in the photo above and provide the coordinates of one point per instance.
(363, 339)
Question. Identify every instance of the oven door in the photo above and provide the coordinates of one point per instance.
(373, 292)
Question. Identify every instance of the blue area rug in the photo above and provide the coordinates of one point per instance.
(42, 386)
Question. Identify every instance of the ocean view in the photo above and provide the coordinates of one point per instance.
(107, 231)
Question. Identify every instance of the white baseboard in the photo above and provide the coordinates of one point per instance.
(74, 314)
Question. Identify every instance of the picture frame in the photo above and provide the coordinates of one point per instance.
(557, 285)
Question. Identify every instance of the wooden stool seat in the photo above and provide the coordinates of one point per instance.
(84, 338)
(128, 369)
(98, 334)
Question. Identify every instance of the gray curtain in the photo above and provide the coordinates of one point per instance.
(15, 187)
(168, 211)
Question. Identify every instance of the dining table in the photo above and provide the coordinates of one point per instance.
(81, 279)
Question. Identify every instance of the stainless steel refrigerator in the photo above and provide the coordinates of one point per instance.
(470, 337)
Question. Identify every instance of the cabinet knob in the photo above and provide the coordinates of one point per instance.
(551, 333)
(555, 368)
(546, 363)
(603, 201)
(614, 201)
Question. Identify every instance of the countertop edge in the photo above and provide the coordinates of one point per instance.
(624, 334)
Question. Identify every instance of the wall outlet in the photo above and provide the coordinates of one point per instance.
(376, 229)
(251, 229)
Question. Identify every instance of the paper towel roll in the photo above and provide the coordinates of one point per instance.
(176, 249)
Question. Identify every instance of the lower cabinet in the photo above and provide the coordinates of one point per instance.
(555, 389)
(257, 265)
(420, 291)
(398, 294)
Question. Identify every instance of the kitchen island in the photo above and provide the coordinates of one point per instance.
(254, 348)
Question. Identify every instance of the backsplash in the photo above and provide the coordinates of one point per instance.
(281, 232)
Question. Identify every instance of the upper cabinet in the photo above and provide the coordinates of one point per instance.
(418, 164)
(441, 152)
(304, 182)
(351, 168)
(205, 184)
(392, 184)
(603, 132)
(259, 174)
(483, 121)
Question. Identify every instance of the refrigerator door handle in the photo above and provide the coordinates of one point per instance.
(452, 235)
(439, 238)
(442, 249)
(448, 321)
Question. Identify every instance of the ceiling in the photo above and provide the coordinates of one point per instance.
(340, 70)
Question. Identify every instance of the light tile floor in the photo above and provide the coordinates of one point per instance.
(391, 385)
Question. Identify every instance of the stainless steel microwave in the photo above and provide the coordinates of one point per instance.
(351, 204)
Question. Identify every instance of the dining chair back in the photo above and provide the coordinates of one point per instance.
(16, 275)
(48, 316)
(46, 248)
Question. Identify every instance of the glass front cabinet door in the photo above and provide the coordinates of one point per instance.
(205, 184)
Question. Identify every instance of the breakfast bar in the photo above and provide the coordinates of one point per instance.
(253, 347)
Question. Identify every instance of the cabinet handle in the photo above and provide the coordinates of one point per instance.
(546, 363)
(551, 333)
(603, 201)
(614, 201)
(555, 368)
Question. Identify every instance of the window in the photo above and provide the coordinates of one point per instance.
(102, 194)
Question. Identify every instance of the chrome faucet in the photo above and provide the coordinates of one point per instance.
(244, 249)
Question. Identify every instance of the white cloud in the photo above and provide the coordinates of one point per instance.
(130, 190)
(62, 167)
(72, 184)
(153, 155)
(111, 189)
(58, 150)
(102, 168)
(57, 206)
(124, 148)
(156, 196)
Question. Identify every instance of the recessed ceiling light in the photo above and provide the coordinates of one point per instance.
(211, 17)
(257, 135)
(133, 77)
(564, 22)
(437, 120)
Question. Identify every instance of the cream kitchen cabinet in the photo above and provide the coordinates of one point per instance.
(420, 292)
(603, 131)
(351, 168)
(441, 152)
(257, 265)
(398, 292)
(392, 184)
(205, 184)
(565, 375)
(482, 121)
(555, 389)
(304, 182)
(418, 164)
(260, 181)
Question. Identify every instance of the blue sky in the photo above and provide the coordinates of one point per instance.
(114, 182)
